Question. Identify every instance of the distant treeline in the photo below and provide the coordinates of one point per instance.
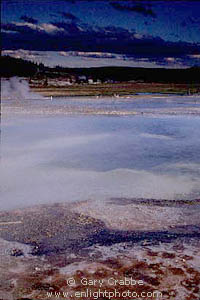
(18, 67)
(190, 75)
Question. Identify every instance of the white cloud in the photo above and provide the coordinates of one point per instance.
(30, 25)
(93, 59)
(25, 54)
(196, 56)
(45, 27)
(170, 59)
(63, 53)
(8, 31)
(91, 54)
(138, 36)
(50, 28)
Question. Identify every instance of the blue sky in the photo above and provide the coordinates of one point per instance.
(146, 33)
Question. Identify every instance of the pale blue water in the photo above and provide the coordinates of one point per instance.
(129, 103)
(59, 157)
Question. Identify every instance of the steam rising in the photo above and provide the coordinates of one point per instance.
(17, 89)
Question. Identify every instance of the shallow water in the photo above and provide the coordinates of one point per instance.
(64, 158)
(129, 105)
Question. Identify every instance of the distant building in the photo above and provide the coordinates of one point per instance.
(91, 81)
(94, 81)
(98, 81)
(59, 81)
(82, 79)
(109, 81)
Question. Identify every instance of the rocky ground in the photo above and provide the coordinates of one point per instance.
(44, 246)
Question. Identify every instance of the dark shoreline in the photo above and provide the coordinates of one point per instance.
(56, 228)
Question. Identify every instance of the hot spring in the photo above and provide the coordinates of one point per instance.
(73, 149)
